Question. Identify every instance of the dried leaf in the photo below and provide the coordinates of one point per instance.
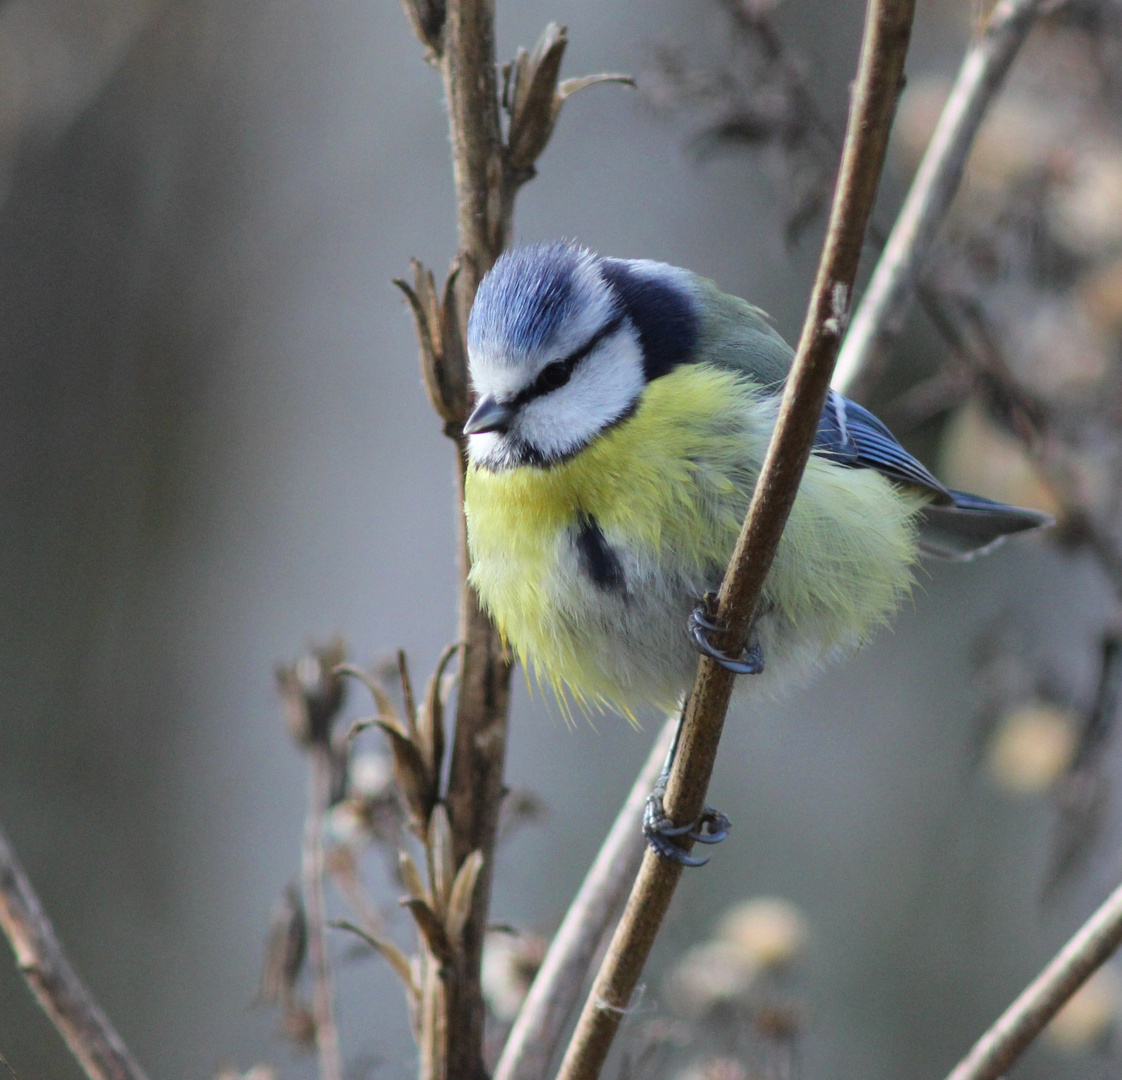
(442, 867)
(443, 361)
(285, 948)
(407, 697)
(453, 357)
(574, 86)
(463, 891)
(410, 772)
(427, 19)
(431, 928)
(411, 877)
(534, 100)
(396, 958)
(430, 722)
(383, 700)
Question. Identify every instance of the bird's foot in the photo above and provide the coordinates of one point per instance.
(702, 622)
(711, 828)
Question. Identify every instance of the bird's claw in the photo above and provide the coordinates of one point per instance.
(701, 623)
(710, 828)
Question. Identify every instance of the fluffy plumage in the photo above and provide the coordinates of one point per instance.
(624, 410)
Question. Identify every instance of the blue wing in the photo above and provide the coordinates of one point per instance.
(854, 437)
(955, 524)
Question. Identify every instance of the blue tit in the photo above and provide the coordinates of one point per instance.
(623, 411)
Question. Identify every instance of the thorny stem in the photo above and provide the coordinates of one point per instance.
(319, 796)
(1016, 1028)
(883, 50)
(982, 73)
(541, 1021)
(64, 998)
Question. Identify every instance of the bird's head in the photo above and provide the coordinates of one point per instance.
(562, 343)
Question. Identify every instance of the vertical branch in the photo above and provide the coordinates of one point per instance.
(319, 796)
(475, 784)
(74, 1013)
(459, 37)
(883, 50)
(983, 71)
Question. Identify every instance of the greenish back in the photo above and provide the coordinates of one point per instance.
(737, 336)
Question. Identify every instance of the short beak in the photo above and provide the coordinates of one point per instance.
(488, 415)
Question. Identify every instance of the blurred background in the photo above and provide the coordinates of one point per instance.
(215, 448)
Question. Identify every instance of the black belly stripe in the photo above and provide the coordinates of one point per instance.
(597, 558)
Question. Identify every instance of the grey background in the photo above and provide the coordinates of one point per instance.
(214, 447)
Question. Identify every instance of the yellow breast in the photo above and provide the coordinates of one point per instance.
(664, 476)
(671, 483)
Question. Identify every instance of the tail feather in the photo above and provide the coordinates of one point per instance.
(972, 525)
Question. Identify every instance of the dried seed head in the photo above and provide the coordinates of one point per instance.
(299, 1026)
(772, 931)
(1088, 1019)
(708, 975)
(285, 949)
(510, 963)
(1032, 748)
(313, 693)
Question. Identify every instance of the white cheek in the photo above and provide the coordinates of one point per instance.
(604, 387)
(484, 447)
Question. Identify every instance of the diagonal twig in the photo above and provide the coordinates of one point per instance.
(1016, 1028)
(533, 1040)
(77, 1017)
(884, 47)
(982, 73)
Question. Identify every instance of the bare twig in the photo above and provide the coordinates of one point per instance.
(319, 796)
(1011, 1035)
(983, 70)
(533, 1039)
(485, 201)
(74, 1013)
(459, 36)
(884, 47)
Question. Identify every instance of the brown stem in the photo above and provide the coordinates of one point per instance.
(319, 796)
(1072, 966)
(485, 200)
(982, 73)
(76, 1016)
(536, 1033)
(883, 50)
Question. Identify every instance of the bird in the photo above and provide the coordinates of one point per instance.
(622, 411)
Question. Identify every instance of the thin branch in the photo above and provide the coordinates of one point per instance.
(319, 795)
(1011, 1035)
(883, 50)
(537, 1031)
(77, 1017)
(485, 202)
(983, 71)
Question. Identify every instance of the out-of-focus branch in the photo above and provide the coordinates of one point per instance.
(74, 1013)
(883, 50)
(537, 1031)
(983, 71)
(1011, 1035)
(323, 1008)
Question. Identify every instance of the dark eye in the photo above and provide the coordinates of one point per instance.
(554, 375)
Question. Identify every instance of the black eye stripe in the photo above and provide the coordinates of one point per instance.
(538, 387)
